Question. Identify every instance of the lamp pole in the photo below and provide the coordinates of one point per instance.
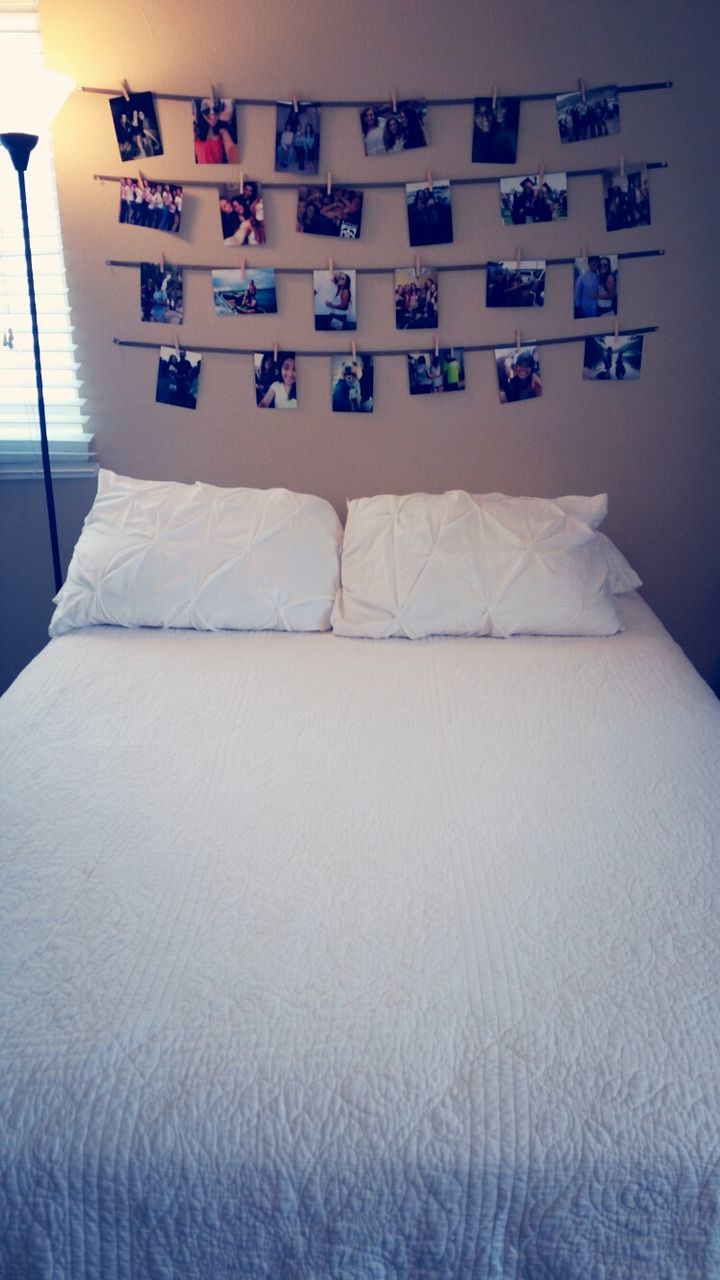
(20, 146)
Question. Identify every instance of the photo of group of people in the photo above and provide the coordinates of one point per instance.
(518, 371)
(591, 113)
(627, 199)
(150, 204)
(241, 293)
(388, 128)
(611, 359)
(429, 209)
(136, 126)
(334, 300)
(536, 198)
(161, 293)
(242, 213)
(515, 284)
(596, 286)
(495, 130)
(416, 298)
(430, 372)
(178, 377)
(297, 137)
(275, 380)
(214, 131)
(352, 383)
(337, 212)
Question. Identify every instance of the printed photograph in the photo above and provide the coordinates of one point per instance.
(297, 137)
(242, 213)
(495, 130)
(178, 377)
(429, 373)
(518, 371)
(136, 126)
(627, 199)
(334, 299)
(386, 129)
(416, 298)
(242, 293)
(596, 286)
(151, 204)
(215, 131)
(429, 213)
(352, 384)
(161, 293)
(611, 359)
(596, 114)
(275, 381)
(530, 200)
(515, 284)
(329, 213)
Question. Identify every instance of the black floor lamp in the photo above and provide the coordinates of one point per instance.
(47, 97)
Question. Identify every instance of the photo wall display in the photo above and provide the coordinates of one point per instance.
(385, 128)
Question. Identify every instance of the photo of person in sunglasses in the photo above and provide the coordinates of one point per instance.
(215, 131)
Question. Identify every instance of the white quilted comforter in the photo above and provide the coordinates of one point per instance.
(360, 959)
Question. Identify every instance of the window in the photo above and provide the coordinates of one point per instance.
(68, 439)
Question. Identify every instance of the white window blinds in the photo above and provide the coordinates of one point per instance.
(69, 440)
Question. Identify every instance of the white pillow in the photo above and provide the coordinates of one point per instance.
(428, 564)
(163, 554)
(621, 575)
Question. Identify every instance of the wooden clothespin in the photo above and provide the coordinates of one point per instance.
(177, 345)
(141, 180)
(330, 266)
(622, 164)
(162, 263)
(329, 183)
(417, 265)
(517, 339)
(125, 90)
(517, 257)
(295, 104)
(242, 268)
(581, 87)
(437, 344)
(275, 350)
(393, 100)
(429, 179)
(494, 96)
(242, 180)
(353, 348)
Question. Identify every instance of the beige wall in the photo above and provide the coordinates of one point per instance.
(652, 444)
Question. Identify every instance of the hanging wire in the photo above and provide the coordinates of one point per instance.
(355, 105)
(382, 271)
(362, 186)
(482, 346)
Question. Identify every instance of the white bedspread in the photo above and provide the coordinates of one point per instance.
(360, 959)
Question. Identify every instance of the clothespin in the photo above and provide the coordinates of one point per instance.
(330, 265)
(162, 262)
(393, 99)
(141, 179)
(275, 350)
(541, 175)
(517, 339)
(417, 265)
(617, 327)
(622, 164)
(329, 183)
(584, 253)
(295, 104)
(429, 179)
(177, 345)
(437, 344)
(125, 90)
(517, 257)
(494, 96)
(353, 349)
(242, 269)
(242, 180)
(581, 87)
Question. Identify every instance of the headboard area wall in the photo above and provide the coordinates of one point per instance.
(650, 442)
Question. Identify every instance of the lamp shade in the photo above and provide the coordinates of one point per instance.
(31, 96)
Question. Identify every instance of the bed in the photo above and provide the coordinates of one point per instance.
(326, 956)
